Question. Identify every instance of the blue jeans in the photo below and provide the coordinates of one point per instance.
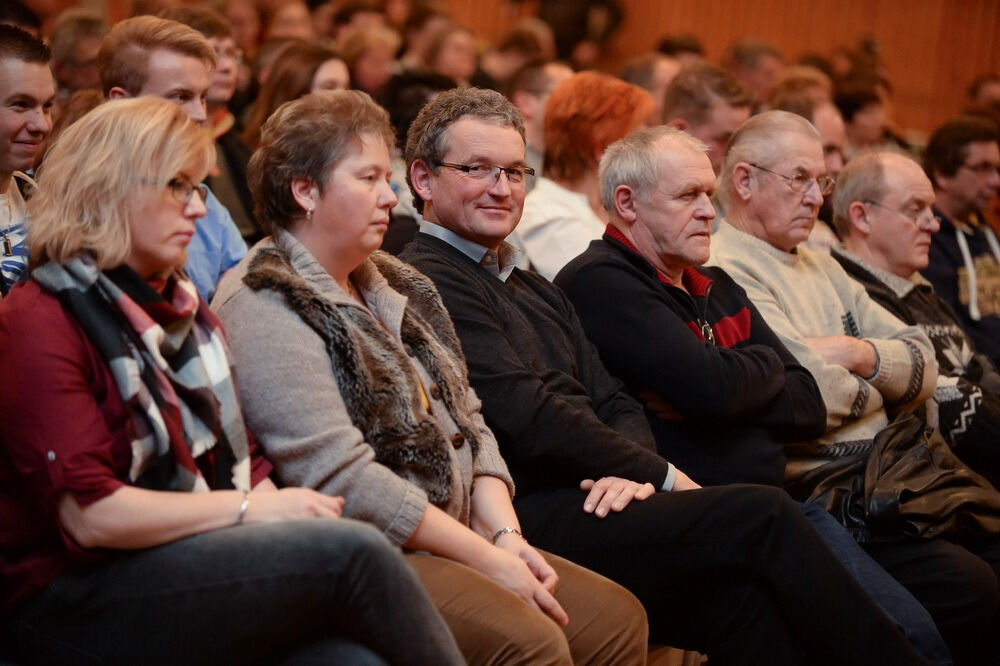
(901, 606)
(298, 592)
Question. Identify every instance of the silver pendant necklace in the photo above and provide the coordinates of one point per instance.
(8, 247)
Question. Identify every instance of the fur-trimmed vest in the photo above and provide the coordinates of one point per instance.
(379, 384)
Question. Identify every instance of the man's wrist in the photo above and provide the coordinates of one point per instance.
(875, 365)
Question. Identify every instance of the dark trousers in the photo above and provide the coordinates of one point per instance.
(736, 572)
(890, 595)
(958, 586)
(303, 592)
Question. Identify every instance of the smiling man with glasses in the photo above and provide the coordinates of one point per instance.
(867, 363)
(962, 161)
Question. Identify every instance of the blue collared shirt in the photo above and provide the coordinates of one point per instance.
(217, 246)
(500, 263)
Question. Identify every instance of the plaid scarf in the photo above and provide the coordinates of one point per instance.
(171, 366)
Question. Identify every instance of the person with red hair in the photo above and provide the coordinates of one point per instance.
(563, 213)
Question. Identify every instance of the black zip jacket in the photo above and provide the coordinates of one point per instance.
(735, 391)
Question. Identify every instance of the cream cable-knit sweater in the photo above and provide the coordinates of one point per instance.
(805, 294)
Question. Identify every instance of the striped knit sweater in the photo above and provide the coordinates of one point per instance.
(804, 294)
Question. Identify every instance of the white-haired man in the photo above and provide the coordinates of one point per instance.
(723, 395)
(865, 362)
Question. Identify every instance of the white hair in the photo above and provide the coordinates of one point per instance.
(632, 161)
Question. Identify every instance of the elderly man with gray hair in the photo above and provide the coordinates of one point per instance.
(722, 392)
(883, 209)
(865, 361)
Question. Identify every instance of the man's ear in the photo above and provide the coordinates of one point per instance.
(740, 180)
(858, 216)
(525, 103)
(421, 177)
(305, 192)
(117, 92)
(625, 203)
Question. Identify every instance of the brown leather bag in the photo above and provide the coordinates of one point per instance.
(909, 484)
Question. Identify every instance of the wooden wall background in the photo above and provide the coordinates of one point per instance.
(932, 48)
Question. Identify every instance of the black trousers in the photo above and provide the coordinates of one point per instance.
(957, 584)
(736, 572)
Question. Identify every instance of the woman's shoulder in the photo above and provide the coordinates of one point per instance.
(34, 324)
(31, 309)
(232, 282)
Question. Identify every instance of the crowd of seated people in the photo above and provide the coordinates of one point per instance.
(331, 333)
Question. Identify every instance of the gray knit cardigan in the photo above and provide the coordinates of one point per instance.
(298, 339)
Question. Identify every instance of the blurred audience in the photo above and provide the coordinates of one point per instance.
(652, 72)
(984, 92)
(300, 68)
(370, 54)
(708, 103)
(563, 213)
(685, 47)
(289, 19)
(864, 113)
(76, 36)
(528, 40)
(421, 25)
(529, 89)
(757, 66)
(17, 14)
(452, 53)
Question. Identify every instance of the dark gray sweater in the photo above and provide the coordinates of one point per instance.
(558, 415)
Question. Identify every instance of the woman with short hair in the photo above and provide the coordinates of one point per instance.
(355, 384)
(138, 521)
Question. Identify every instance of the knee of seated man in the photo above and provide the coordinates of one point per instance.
(763, 501)
(971, 583)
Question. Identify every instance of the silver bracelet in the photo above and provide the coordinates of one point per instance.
(505, 530)
(243, 507)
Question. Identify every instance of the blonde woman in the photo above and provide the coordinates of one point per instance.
(139, 523)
